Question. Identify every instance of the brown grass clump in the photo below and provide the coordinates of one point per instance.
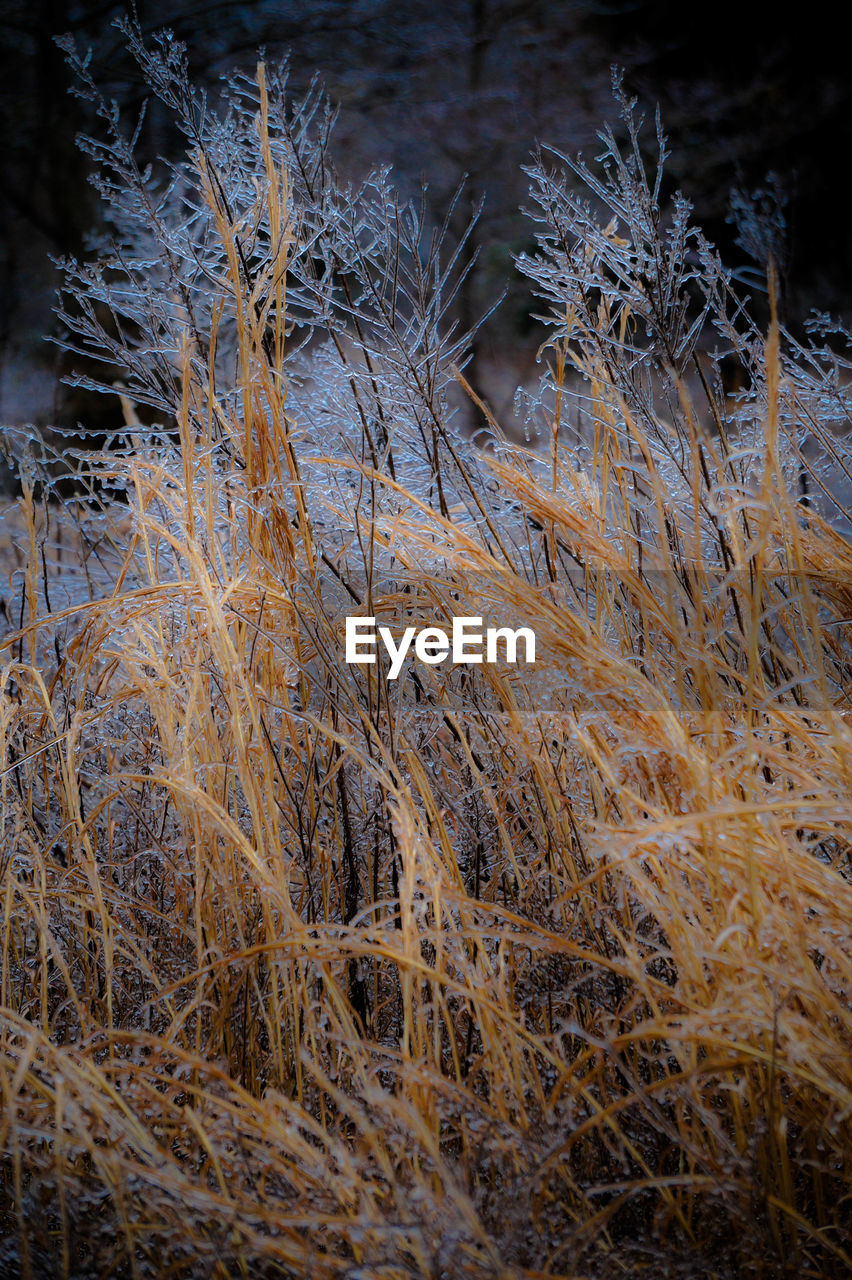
(310, 973)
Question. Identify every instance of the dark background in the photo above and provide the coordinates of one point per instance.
(438, 90)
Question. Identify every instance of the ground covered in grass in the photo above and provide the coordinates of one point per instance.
(484, 971)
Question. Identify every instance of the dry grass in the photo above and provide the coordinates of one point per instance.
(307, 973)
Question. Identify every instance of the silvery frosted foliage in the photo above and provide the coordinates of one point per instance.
(815, 411)
(649, 320)
(611, 253)
(762, 231)
(370, 287)
(635, 297)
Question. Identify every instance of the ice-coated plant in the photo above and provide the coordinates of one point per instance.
(198, 250)
(483, 970)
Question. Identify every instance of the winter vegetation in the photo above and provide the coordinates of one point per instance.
(480, 971)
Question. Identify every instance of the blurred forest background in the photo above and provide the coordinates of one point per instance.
(438, 90)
